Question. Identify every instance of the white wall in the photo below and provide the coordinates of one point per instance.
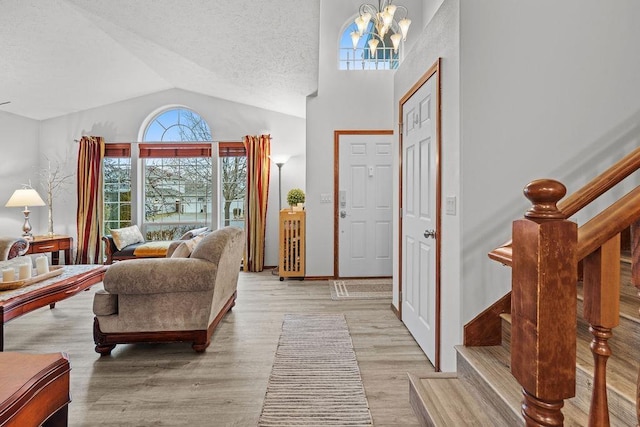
(440, 39)
(18, 165)
(346, 100)
(228, 121)
(549, 90)
(534, 94)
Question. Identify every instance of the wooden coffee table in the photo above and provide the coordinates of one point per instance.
(75, 278)
(34, 389)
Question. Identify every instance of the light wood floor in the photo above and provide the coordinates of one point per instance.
(170, 385)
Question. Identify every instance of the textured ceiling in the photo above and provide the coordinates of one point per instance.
(62, 56)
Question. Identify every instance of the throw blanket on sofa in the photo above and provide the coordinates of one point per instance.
(155, 249)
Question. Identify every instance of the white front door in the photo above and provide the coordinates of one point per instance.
(364, 205)
(419, 150)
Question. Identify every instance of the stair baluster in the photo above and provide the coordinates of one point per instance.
(635, 280)
(601, 309)
(544, 305)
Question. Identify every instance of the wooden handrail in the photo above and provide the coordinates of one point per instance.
(608, 223)
(581, 198)
(601, 184)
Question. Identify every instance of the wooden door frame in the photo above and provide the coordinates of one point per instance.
(433, 70)
(336, 187)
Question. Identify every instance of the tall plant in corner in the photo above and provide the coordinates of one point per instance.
(53, 179)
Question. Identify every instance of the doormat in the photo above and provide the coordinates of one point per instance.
(361, 289)
(315, 379)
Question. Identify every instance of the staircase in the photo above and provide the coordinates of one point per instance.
(561, 348)
(485, 393)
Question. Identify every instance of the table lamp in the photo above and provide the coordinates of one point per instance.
(25, 197)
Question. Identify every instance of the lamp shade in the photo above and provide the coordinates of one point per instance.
(25, 197)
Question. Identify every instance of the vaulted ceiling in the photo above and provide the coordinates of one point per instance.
(63, 56)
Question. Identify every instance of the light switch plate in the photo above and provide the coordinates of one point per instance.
(450, 205)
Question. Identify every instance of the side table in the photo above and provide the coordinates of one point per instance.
(54, 244)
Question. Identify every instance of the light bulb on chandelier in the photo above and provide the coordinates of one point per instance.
(384, 20)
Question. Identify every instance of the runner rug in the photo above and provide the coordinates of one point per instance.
(361, 289)
(315, 379)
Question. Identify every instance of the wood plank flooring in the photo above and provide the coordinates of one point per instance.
(170, 385)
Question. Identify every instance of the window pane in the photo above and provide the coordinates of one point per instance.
(178, 125)
(117, 193)
(234, 181)
(361, 58)
(177, 196)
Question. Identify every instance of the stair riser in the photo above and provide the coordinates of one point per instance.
(621, 406)
(418, 405)
(478, 386)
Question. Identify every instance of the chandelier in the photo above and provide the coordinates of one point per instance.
(384, 22)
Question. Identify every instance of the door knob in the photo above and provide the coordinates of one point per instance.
(343, 214)
(430, 234)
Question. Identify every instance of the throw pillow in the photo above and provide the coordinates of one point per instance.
(182, 251)
(193, 233)
(123, 237)
(192, 243)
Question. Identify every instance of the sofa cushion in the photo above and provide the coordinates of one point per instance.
(193, 233)
(126, 236)
(182, 251)
(104, 303)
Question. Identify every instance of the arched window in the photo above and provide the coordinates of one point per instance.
(179, 172)
(177, 124)
(367, 51)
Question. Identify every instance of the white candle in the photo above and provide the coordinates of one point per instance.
(42, 265)
(24, 272)
(8, 274)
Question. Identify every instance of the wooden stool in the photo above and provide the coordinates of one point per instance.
(34, 389)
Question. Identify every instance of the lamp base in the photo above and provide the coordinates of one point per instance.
(26, 227)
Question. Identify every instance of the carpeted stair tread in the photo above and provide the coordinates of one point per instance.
(447, 402)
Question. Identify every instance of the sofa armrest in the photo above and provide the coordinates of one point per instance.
(160, 275)
(109, 248)
(11, 247)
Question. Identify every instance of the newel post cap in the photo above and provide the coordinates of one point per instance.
(544, 194)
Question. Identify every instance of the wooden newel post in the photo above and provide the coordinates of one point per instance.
(544, 305)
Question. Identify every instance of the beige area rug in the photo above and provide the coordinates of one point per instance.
(361, 289)
(315, 379)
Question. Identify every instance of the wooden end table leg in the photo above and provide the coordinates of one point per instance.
(59, 418)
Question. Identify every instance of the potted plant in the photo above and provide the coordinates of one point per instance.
(295, 198)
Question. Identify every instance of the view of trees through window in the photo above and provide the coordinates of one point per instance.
(178, 181)
(117, 193)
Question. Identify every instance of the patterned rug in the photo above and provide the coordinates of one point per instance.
(315, 379)
(361, 289)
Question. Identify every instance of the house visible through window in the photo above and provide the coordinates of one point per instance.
(117, 187)
(177, 171)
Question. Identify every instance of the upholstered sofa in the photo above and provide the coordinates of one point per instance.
(11, 247)
(170, 299)
(135, 246)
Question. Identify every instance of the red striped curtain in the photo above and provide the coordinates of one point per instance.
(258, 149)
(89, 214)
